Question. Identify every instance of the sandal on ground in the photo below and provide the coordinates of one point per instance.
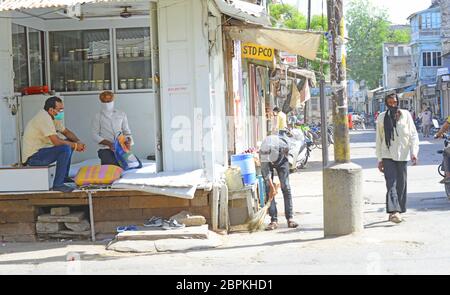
(121, 229)
(395, 217)
(155, 221)
(292, 224)
(172, 224)
(272, 226)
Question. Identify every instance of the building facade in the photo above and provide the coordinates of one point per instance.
(426, 50)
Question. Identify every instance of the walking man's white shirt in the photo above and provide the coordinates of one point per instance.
(405, 142)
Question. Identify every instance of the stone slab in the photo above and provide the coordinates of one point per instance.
(72, 217)
(49, 227)
(193, 232)
(60, 211)
(133, 246)
(83, 225)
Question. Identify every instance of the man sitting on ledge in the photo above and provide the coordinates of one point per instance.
(42, 146)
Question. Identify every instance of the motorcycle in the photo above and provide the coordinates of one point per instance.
(441, 167)
(299, 149)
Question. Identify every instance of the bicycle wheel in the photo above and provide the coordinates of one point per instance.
(441, 170)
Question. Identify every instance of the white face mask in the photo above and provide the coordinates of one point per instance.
(108, 106)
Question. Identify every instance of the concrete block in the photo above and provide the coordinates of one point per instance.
(60, 211)
(73, 217)
(188, 219)
(342, 200)
(81, 226)
(48, 227)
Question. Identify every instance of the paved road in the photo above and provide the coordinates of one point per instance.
(420, 245)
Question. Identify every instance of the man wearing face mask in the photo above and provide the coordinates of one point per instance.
(42, 146)
(106, 125)
(397, 140)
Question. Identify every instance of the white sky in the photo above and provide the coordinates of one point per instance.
(399, 10)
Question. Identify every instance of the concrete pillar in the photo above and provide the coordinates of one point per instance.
(342, 199)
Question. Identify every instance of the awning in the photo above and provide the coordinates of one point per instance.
(376, 89)
(303, 73)
(410, 88)
(244, 11)
(303, 43)
(406, 95)
(33, 4)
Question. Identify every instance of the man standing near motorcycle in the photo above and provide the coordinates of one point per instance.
(397, 140)
(273, 154)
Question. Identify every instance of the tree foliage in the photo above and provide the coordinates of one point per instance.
(368, 28)
(287, 16)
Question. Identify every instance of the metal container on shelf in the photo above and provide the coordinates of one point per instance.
(128, 51)
(131, 83)
(135, 51)
(55, 54)
(85, 53)
(147, 51)
(59, 84)
(78, 54)
(92, 85)
(71, 55)
(104, 53)
(78, 85)
(139, 83)
(107, 85)
(71, 85)
(95, 53)
(85, 85)
(100, 84)
(123, 84)
(120, 51)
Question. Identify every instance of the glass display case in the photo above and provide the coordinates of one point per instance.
(80, 60)
(134, 59)
(36, 54)
(20, 59)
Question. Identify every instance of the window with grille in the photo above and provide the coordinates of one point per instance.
(431, 59)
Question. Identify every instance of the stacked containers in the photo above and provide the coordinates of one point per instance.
(247, 165)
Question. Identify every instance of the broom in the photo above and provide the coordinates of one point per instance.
(257, 222)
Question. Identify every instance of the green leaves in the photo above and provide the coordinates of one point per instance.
(287, 16)
(368, 28)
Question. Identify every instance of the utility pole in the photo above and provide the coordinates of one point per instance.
(342, 181)
(308, 26)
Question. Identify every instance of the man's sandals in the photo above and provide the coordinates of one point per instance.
(395, 217)
(274, 225)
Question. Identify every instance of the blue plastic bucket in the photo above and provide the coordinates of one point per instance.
(247, 165)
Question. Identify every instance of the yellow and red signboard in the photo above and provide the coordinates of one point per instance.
(255, 51)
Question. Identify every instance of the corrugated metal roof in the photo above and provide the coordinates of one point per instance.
(33, 4)
(244, 11)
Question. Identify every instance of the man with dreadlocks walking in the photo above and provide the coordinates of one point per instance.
(397, 140)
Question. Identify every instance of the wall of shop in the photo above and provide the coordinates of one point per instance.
(188, 95)
(80, 108)
(7, 143)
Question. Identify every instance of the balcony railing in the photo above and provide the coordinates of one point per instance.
(429, 33)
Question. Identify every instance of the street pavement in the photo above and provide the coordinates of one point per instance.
(419, 245)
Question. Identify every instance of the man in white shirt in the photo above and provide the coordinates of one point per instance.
(106, 126)
(397, 140)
